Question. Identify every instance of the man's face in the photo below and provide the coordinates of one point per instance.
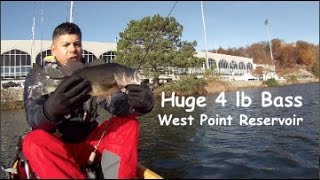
(67, 47)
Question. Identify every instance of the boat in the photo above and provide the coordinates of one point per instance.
(19, 169)
(145, 173)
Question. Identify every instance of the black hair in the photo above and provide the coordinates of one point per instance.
(66, 28)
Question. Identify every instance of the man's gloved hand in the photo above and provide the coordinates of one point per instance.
(140, 97)
(70, 94)
(119, 105)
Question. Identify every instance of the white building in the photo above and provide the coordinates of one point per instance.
(227, 64)
(17, 58)
(268, 71)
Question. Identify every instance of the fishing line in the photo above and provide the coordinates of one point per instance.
(147, 50)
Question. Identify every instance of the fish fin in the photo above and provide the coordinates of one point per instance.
(38, 74)
(70, 67)
(96, 62)
(54, 73)
(34, 84)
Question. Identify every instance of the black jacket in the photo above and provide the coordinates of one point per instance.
(74, 128)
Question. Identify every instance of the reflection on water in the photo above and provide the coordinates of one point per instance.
(219, 151)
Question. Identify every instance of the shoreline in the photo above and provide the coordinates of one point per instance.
(218, 86)
(212, 87)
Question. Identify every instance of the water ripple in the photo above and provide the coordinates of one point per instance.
(249, 152)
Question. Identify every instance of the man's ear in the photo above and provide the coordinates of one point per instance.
(53, 48)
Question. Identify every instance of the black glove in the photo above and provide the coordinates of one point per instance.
(140, 97)
(69, 95)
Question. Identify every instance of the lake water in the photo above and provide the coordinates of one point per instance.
(218, 151)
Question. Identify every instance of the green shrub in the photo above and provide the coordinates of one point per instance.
(188, 85)
(12, 105)
(291, 79)
(316, 69)
(272, 82)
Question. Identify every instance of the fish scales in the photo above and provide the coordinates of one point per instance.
(104, 78)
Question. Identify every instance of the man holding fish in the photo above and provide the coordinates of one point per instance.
(61, 102)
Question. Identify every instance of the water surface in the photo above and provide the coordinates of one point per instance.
(218, 151)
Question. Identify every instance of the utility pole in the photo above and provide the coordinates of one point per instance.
(41, 56)
(266, 23)
(33, 29)
(215, 47)
(71, 12)
(205, 36)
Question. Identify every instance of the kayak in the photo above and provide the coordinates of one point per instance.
(18, 169)
(145, 173)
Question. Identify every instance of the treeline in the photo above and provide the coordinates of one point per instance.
(285, 55)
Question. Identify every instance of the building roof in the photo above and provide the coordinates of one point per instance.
(217, 57)
(97, 48)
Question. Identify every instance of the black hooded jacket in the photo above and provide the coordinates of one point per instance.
(74, 128)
